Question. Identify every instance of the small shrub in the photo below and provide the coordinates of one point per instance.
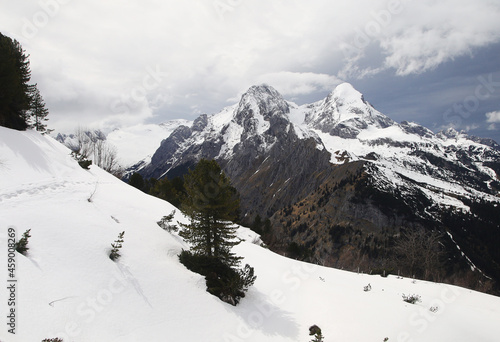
(225, 282)
(367, 288)
(164, 223)
(82, 161)
(433, 309)
(412, 299)
(22, 244)
(246, 278)
(55, 339)
(117, 245)
(316, 332)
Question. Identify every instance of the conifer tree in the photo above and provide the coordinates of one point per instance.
(22, 244)
(257, 224)
(37, 115)
(211, 203)
(15, 74)
(137, 181)
(316, 332)
(117, 245)
(165, 222)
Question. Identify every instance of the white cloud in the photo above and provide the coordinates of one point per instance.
(471, 127)
(88, 55)
(493, 117)
(296, 83)
(422, 35)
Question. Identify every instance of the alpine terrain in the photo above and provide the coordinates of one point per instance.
(344, 185)
(65, 287)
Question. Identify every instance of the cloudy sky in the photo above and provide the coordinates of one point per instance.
(115, 63)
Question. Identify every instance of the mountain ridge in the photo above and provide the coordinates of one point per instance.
(383, 175)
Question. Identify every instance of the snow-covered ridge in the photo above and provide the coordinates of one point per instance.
(69, 288)
(344, 112)
(258, 116)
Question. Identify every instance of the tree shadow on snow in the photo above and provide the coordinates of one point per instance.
(258, 313)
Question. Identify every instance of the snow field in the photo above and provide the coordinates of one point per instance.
(68, 286)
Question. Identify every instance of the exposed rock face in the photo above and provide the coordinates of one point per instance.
(345, 179)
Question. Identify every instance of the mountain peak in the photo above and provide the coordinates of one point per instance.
(344, 112)
(263, 89)
(347, 91)
(346, 96)
(261, 100)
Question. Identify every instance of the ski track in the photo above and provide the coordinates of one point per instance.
(42, 188)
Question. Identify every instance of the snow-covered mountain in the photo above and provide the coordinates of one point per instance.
(139, 142)
(349, 128)
(133, 144)
(67, 286)
(340, 162)
(344, 113)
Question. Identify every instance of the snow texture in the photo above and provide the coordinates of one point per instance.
(69, 288)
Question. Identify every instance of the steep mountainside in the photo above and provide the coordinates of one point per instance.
(341, 180)
(67, 287)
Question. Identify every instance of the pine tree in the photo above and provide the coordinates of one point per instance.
(164, 223)
(37, 115)
(257, 225)
(211, 203)
(137, 181)
(15, 74)
(117, 245)
(22, 244)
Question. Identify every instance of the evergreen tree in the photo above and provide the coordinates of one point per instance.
(267, 226)
(37, 115)
(137, 181)
(22, 244)
(165, 222)
(15, 74)
(171, 191)
(211, 203)
(316, 332)
(117, 245)
(257, 225)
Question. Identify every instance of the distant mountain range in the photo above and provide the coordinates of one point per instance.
(339, 179)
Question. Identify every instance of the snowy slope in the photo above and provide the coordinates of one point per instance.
(68, 287)
(139, 142)
(133, 144)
